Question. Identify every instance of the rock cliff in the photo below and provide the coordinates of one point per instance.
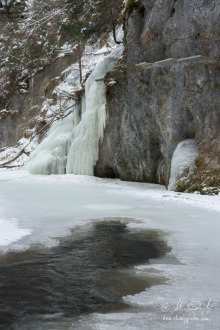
(167, 90)
(159, 29)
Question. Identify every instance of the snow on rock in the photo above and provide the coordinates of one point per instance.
(9, 153)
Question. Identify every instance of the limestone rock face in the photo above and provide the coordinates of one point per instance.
(154, 106)
(172, 28)
(151, 109)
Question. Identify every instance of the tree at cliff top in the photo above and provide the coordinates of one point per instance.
(94, 18)
(6, 5)
(88, 20)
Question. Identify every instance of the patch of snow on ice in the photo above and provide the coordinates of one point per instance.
(10, 232)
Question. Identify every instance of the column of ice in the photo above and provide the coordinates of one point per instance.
(50, 156)
(184, 156)
(84, 149)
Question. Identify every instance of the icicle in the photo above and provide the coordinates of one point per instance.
(85, 147)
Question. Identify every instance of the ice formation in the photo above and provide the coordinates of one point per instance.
(183, 158)
(51, 155)
(72, 144)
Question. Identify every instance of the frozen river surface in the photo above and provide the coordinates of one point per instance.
(39, 209)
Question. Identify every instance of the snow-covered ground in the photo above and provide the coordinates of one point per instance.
(36, 209)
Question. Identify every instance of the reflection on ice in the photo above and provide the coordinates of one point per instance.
(85, 273)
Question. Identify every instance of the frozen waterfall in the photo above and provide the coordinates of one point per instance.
(72, 144)
(183, 158)
(50, 156)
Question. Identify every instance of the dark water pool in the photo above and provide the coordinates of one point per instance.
(86, 272)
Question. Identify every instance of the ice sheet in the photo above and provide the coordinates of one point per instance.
(154, 191)
(10, 232)
(49, 205)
